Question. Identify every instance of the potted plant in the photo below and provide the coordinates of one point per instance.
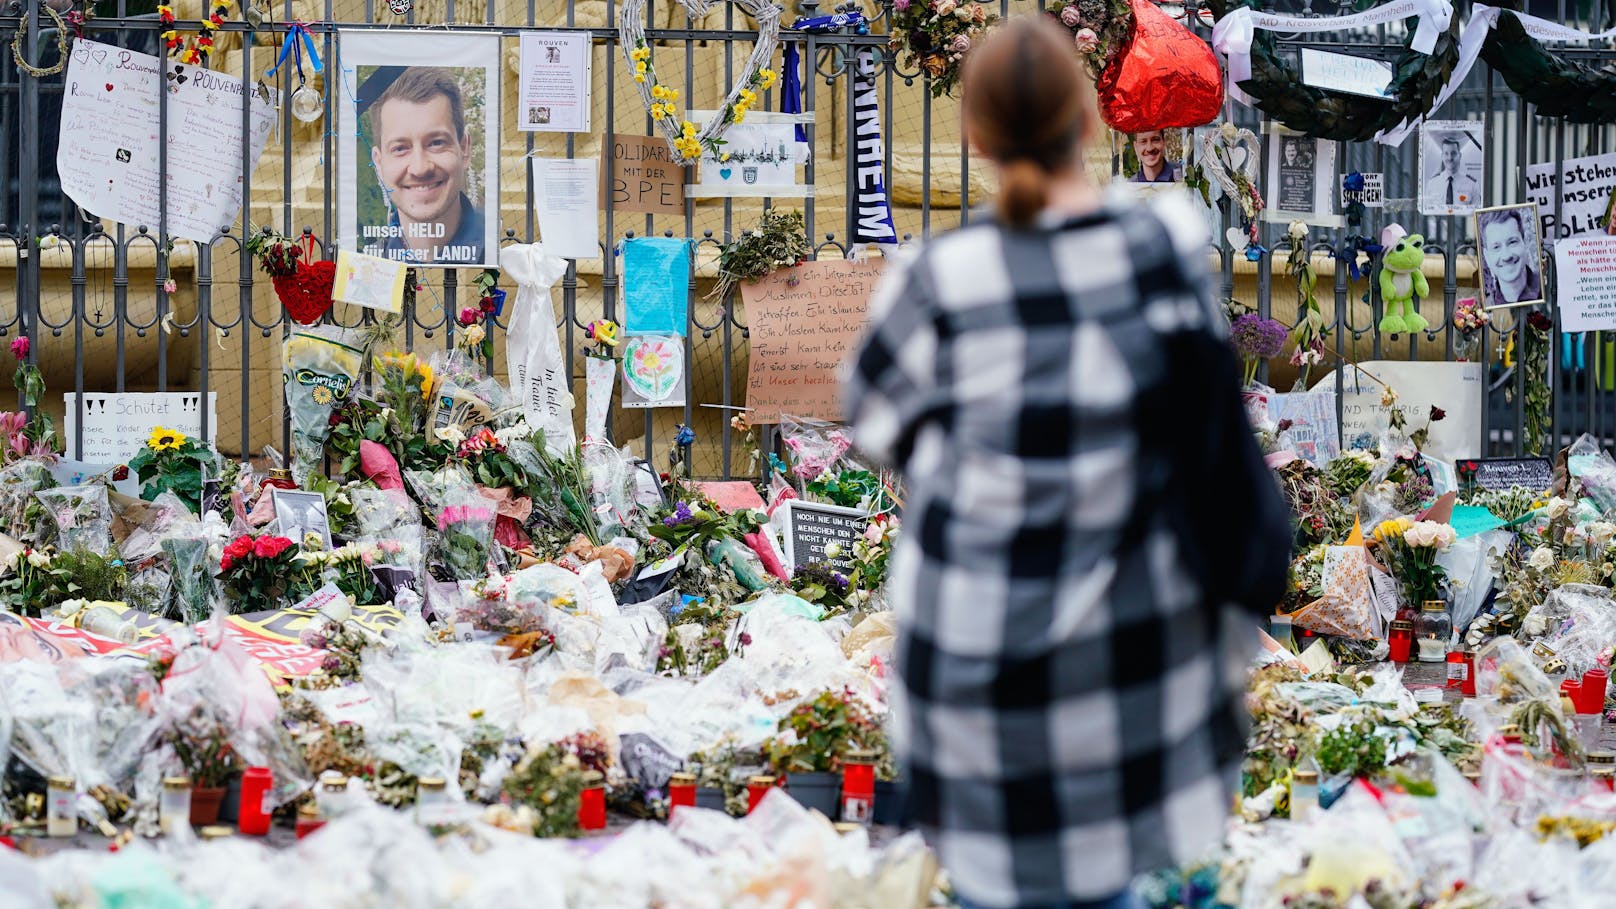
(172, 462)
(202, 744)
(814, 739)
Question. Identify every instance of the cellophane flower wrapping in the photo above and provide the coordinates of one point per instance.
(88, 719)
(80, 517)
(1595, 469)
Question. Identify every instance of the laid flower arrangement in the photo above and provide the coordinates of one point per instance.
(255, 573)
(819, 734)
(172, 462)
(1100, 30)
(1408, 548)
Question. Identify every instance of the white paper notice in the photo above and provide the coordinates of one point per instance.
(566, 195)
(109, 147)
(555, 83)
(1343, 73)
(1586, 270)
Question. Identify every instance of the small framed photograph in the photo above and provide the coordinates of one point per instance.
(1302, 182)
(300, 513)
(1511, 254)
(1450, 167)
(1151, 156)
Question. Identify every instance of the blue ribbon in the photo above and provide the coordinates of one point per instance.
(828, 23)
(297, 41)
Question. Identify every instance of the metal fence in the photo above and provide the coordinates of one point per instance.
(91, 294)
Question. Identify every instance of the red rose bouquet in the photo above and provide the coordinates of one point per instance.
(255, 572)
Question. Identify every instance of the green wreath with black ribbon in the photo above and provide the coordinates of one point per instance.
(1564, 89)
(1277, 90)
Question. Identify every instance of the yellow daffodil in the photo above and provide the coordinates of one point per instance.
(165, 439)
(639, 68)
(640, 54)
(688, 130)
(766, 78)
(740, 116)
(749, 96)
(656, 110)
(639, 77)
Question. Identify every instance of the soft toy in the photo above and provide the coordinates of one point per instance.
(1402, 281)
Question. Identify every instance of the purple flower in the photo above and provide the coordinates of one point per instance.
(961, 44)
(840, 579)
(745, 639)
(900, 5)
(1257, 338)
(681, 514)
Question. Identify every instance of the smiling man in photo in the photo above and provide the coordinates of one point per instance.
(1151, 147)
(421, 150)
(1509, 252)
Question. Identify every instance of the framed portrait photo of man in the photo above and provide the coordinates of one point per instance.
(418, 146)
(1511, 253)
(301, 513)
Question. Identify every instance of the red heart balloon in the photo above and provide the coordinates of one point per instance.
(1166, 79)
(306, 293)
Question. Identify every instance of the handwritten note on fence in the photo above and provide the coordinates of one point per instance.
(108, 157)
(801, 332)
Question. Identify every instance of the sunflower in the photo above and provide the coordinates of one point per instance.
(165, 439)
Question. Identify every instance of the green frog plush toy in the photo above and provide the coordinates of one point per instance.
(1402, 281)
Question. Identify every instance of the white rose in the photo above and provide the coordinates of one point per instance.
(1445, 536)
(1558, 508)
(38, 559)
(832, 550)
(1428, 534)
(1542, 559)
(1601, 532)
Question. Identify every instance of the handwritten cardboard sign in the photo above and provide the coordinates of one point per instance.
(116, 425)
(1502, 473)
(643, 177)
(806, 528)
(801, 333)
(1572, 203)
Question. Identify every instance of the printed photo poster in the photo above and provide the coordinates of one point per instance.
(1511, 255)
(110, 130)
(654, 371)
(758, 158)
(554, 85)
(1574, 203)
(1450, 167)
(418, 171)
(1302, 183)
(1314, 434)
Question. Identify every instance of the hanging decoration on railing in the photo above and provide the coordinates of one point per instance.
(307, 103)
(302, 283)
(74, 19)
(935, 35)
(1259, 75)
(872, 216)
(1229, 157)
(1150, 71)
(1402, 281)
(194, 49)
(685, 138)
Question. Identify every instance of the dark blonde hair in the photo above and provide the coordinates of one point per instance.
(1029, 104)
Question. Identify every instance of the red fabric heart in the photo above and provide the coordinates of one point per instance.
(306, 293)
(1166, 79)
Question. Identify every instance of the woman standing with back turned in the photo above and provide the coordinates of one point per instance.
(1085, 496)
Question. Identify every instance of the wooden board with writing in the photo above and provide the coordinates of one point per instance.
(800, 334)
(643, 177)
(1502, 473)
(806, 528)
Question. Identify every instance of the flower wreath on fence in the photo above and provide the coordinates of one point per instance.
(1274, 86)
(1565, 89)
(935, 35)
(687, 139)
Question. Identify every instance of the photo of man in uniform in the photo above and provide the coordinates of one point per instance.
(1450, 162)
(1511, 265)
(421, 152)
(1150, 146)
